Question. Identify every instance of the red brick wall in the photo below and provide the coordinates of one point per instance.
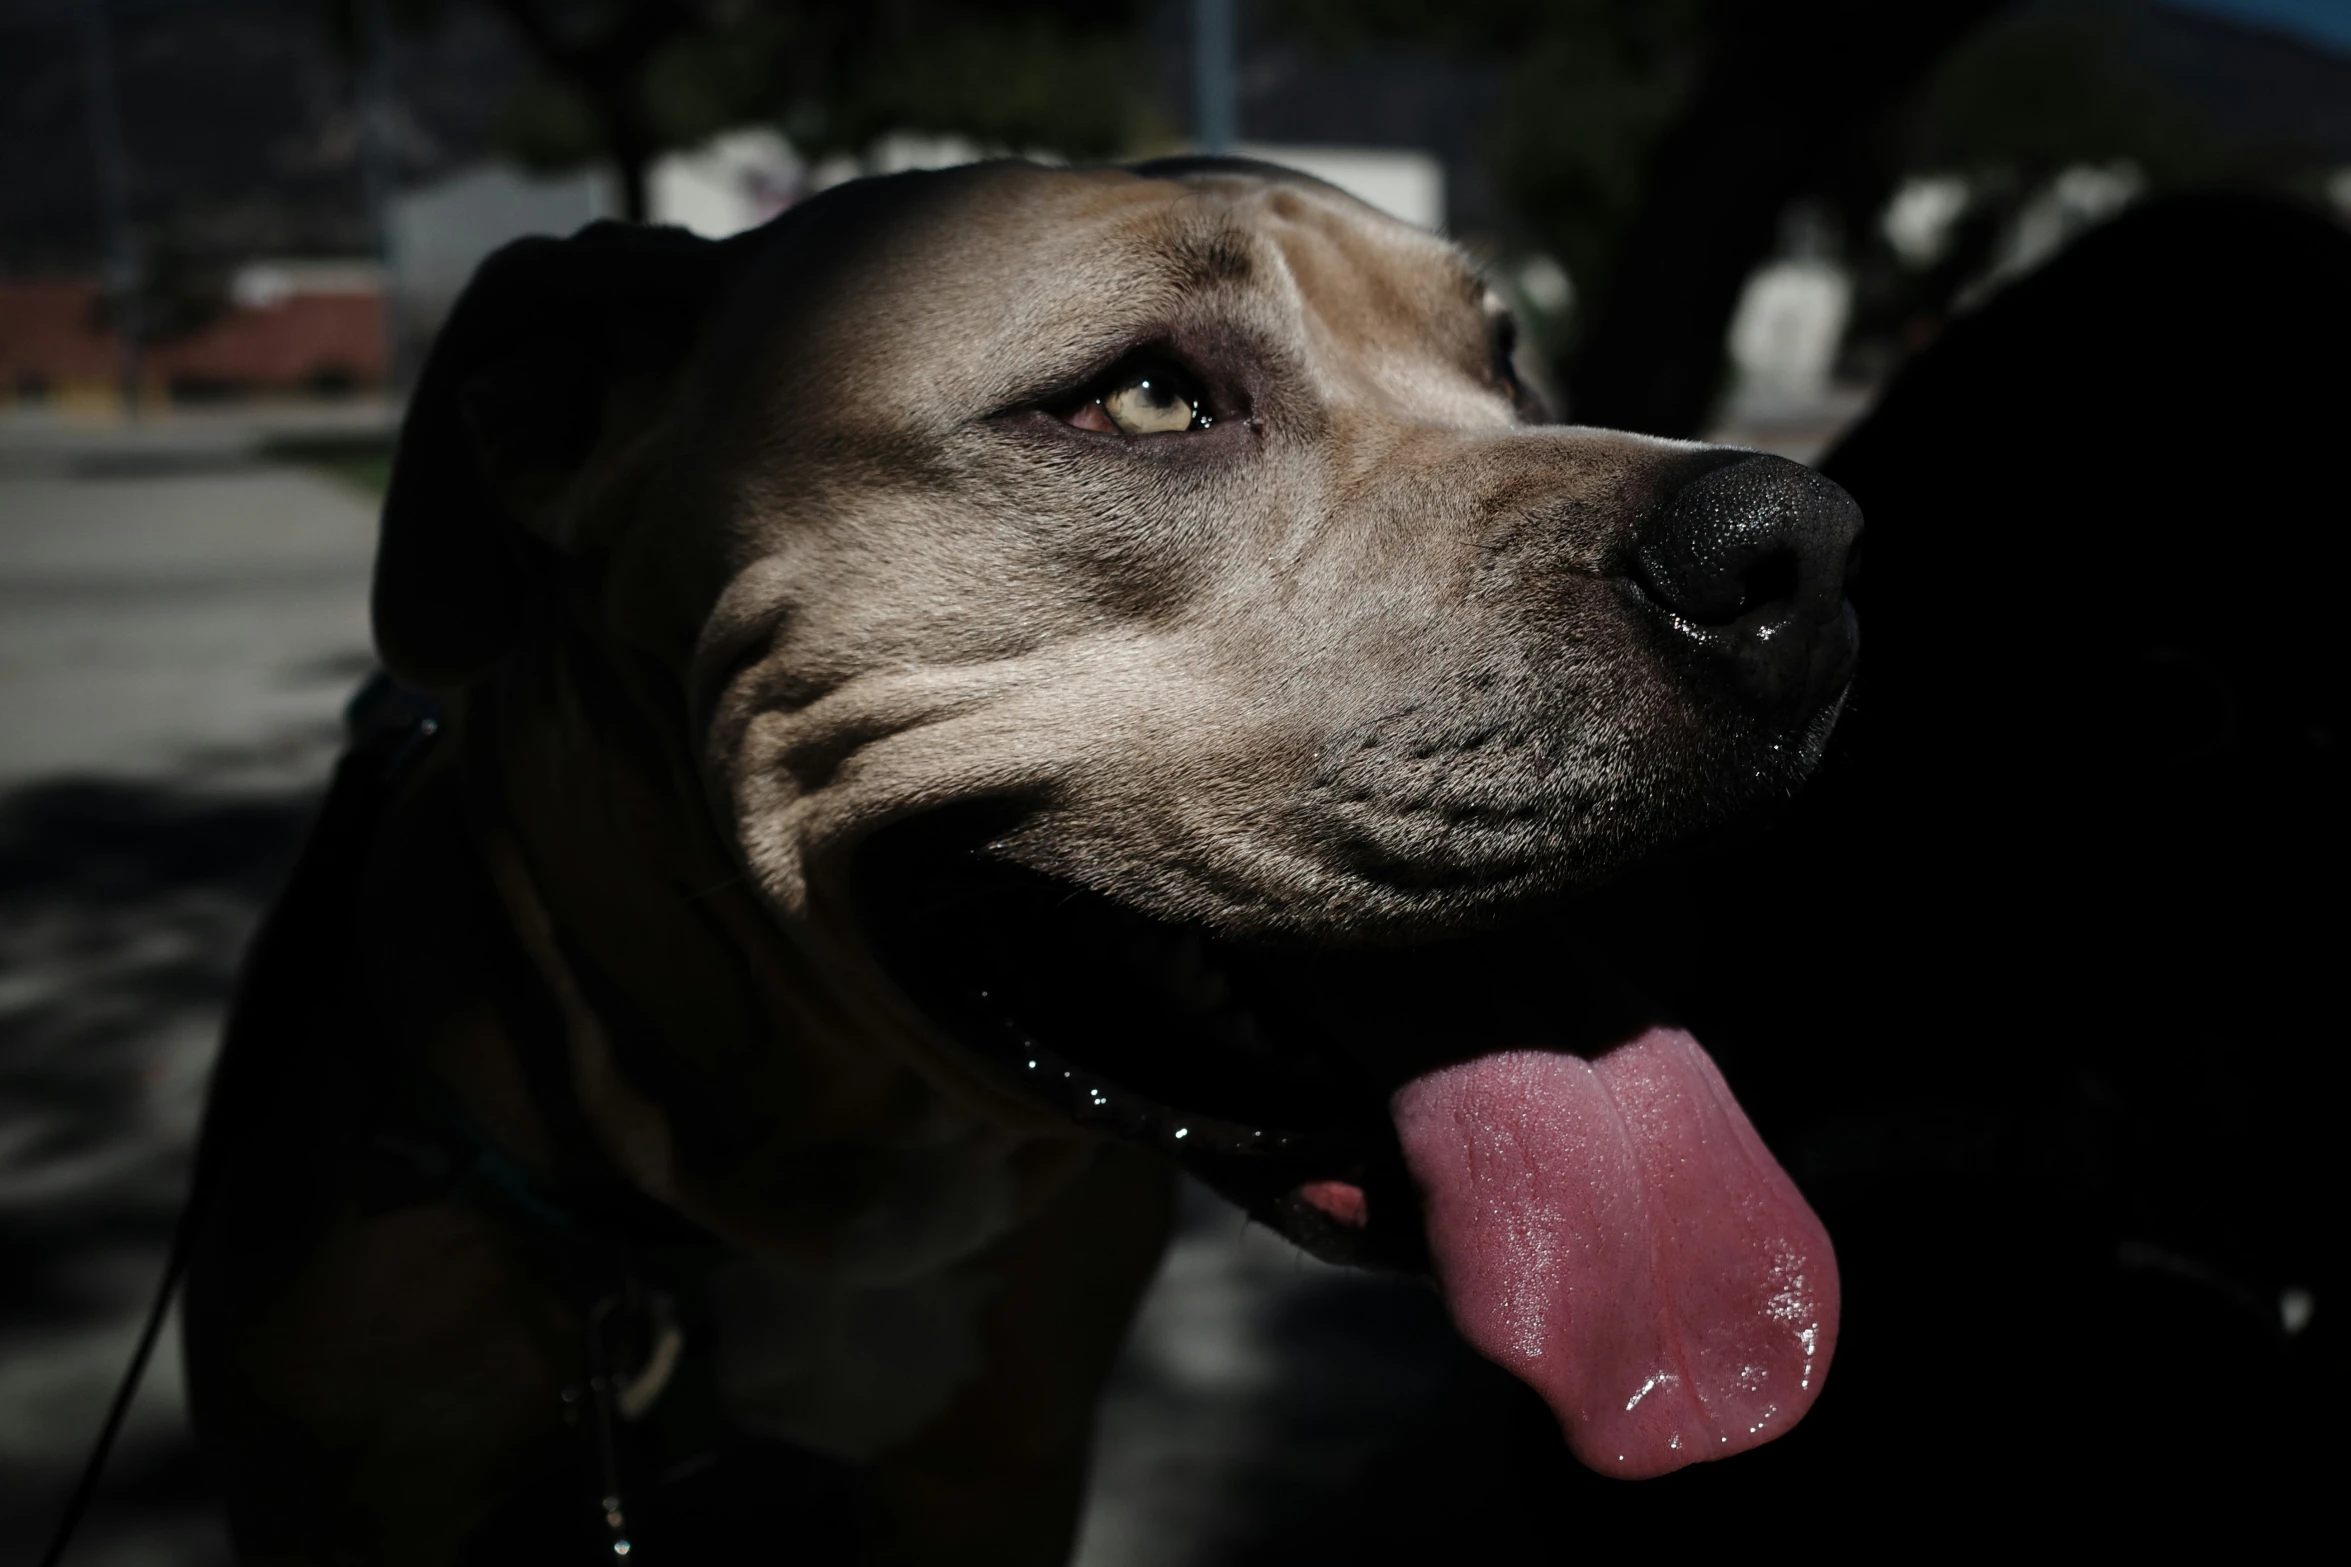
(47, 334)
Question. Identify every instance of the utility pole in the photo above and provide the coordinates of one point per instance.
(1215, 110)
(379, 174)
(111, 165)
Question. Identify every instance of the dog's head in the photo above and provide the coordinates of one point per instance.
(1138, 633)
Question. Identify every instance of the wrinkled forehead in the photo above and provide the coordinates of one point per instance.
(988, 284)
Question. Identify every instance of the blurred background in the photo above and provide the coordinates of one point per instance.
(228, 229)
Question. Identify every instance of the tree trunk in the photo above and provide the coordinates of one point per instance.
(631, 147)
(606, 71)
(1791, 81)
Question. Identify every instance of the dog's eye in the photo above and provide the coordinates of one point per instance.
(1506, 350)
(1151, 405)
(1159, 400)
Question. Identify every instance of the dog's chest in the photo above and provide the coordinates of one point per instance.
(855, 1357)
(852, 1369)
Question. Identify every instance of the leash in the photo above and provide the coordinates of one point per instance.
(175, 1264)
(382, 719)
(606, 1243)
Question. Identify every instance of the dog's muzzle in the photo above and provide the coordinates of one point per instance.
(1749, 564)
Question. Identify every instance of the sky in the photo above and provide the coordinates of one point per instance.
(2326, 21)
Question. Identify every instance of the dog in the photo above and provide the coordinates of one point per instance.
(911, 725)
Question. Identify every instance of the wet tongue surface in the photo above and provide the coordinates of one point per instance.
(1613, 1233)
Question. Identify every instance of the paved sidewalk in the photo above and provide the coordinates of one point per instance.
(196, 628)
(179, 624)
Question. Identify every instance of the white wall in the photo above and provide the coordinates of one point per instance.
(1785, 333)
(1400, 182)
(728, 184)
(442, 231)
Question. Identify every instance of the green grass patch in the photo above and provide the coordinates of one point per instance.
(362, 461)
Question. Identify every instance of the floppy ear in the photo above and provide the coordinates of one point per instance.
(512, 402)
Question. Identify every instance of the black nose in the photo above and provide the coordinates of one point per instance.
(1749, 562)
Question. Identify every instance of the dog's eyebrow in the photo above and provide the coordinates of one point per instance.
(1209, 250)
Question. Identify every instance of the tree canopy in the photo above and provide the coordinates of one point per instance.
(1653, 147)
(626, 79)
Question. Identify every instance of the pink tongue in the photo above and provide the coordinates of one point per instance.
(1614, 1234)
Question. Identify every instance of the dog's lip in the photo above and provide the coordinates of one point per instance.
(980, 1013)
(1338, 1188)
(913, 886)
(1291, 1118)
(1092, 1099)
(1341, 1194)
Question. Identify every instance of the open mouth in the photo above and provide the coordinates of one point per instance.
(1237, 1061)
(1268, 1071)
(1495, 1109)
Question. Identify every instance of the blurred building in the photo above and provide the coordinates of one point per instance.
(242, 132)
(283, 327)
(443, 228)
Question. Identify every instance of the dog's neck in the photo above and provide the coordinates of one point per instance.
(713, 1066)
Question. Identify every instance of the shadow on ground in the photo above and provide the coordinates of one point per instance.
(123, 910)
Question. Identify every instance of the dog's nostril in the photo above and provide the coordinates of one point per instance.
(1772, 578)
(1751, 560)
(1747, 536)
